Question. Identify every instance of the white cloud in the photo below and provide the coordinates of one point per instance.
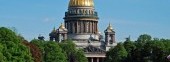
(49, 19)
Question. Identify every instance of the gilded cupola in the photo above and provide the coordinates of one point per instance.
(81, 3)
(109, 28)
(62, 27)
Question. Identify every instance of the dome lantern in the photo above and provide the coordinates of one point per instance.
(81, 3)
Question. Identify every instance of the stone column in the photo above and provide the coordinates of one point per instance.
(113, 38)
(85, 27)
(97, 59)
(73, 27)
(59, 37)
(95, 27)
(107, 39)
(84, 24)
(68, 26)
(81, 27)
(91, 59)
(91, 27)
(65, 25)
(65, 36)
(77, 27)
(88, 27)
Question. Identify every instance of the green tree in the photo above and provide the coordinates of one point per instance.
(2, 57)
(166, 43)
(144, 49)
(142, 39)
(80, 57)
(154, 51)
(69, 48)
(116, 54)
(35, 51)
(138, 55)
(72, 53)
(13, 49)
(130, 47)
(53, 53)
(41, 45)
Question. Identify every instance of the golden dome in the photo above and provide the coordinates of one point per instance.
(81, 3)
(62, 26)
(110, 27)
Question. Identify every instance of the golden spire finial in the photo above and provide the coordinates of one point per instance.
(110, 26)
(62, 26)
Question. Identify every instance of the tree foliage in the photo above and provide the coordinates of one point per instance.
(67, 47)
(36, 52)
(79, 56)
(12, 50)
(53, 53)
(73, 54)
(144, 49)
(117, 54)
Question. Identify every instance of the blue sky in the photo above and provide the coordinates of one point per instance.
(128, 17)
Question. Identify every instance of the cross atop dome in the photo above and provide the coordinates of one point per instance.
(81, 3)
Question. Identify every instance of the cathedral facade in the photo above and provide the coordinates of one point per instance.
(81, 26)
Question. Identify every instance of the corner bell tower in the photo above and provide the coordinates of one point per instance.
(109, 37)
(81, 20)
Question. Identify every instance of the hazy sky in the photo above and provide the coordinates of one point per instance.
(128, 17)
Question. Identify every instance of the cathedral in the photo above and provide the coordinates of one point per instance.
(81, 26)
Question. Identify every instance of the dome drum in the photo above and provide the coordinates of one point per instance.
(81, 13)
(81, 19)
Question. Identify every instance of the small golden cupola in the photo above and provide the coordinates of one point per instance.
(81, 3)
(109, 28)
(62, 27)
